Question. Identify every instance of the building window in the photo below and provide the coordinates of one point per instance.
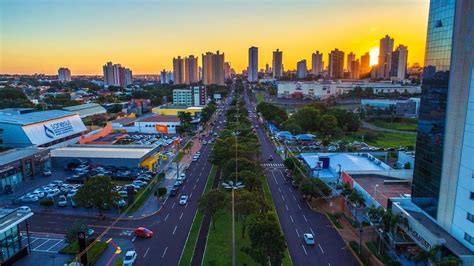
(470, 217)
(469, 238)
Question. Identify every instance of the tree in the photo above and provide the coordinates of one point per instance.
(250, 179)
(161, 191)
(375, 213)
(289, 164)
(71, 233)
(185, 119)
(212, 202)
(246, 204)
(99, 192)
(267, 243)
(307, 118)
(327, 124)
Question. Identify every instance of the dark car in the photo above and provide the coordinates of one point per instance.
(270, 158)
(173, 192)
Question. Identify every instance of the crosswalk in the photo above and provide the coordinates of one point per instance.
(273, 165)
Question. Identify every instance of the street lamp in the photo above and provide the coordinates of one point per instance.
(375, 190)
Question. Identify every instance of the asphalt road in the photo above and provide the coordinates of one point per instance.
(296, 218)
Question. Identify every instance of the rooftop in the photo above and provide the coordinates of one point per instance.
(160, 118)
(125, 120)
(85, 110)
(382, 187)
(15, 154)
(33, 117)
(348, 161)
(11, 217)
(90, 151)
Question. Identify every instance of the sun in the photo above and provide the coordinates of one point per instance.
(374, 55)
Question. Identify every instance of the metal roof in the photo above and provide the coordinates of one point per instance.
(99, 152)
(85, 110)
(33, 118)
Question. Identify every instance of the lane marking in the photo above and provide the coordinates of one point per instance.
(181, 216)
(194, 187)
(294, 197)
(174, 231)
(59, 242)
(146, 252)
(286, 206)
(197, 180)
(305, 218)
(297, 232)
(312, 231)
(283, 198)
(299, 207)
(190, 195)
(321, 248)
(174, 203)
(164, 252)
(291, 218)
(289, 189)
(279, 189)
(134, 238)
(166, 218)
(306, 253)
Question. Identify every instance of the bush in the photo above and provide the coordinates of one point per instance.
(46, 202)
(161, 191)
(335, 219)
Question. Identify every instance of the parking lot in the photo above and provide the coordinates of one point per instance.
(48, 244)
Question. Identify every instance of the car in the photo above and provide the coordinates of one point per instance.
(183, 200)
(139, 183)
(270, 158)
(195, 158)
(183, 176)
(121, 203)
(204, 142)
(57, 183)
(47, 172)
(71, 193)
(62, 201)
(173, 192)
(23, 209)
(308, 238)
(73, 203)
(143, 232)
(123, 193)
(130, 258)
(28, 198)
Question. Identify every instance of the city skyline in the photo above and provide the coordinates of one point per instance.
(151, 40)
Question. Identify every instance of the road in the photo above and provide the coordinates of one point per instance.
(171, 225)
(296, 218)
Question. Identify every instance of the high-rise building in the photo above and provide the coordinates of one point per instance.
(354, 69)
(336, 64)
(163, 77)
(350, 57)
(443, 177)
(301, 69)
(316, 63)
(253, 64)
(199, 95)
(385, 57)
(64, 74)
(365, 64)
(213, 68)
(116, 75)
(398, 69)
(277, 64)
(179, 70)
(191, 70)
(227, 72)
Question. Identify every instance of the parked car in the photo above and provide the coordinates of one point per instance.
(183, 200)
(143, 232)
(47, 172)
(130, 258)
(57, 183)
(308, 239)
(121, 203)
(62, 201)
(139, 183)
(173, 192)
(28, 199)
(23, 209)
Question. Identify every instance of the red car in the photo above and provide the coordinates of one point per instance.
(143, 232)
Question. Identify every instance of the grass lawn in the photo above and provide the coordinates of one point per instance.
(402, 126)
(118, 262)
(385, 140)
(178, 156)
(190, 245)
(260, 97)
(93, 254)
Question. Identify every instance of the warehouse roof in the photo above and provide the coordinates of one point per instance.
(33, 117)
(160, 118)
(85, 110)
(101, 152)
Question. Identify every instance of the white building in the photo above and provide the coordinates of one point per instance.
(378, 87)
(182, 97)
(316, 63)
(64, 74)
(309, 89)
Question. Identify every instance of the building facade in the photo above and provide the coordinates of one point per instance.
(336, 64)
(179, 70)
(213, 68)
(301, 69)
(64, 74)
(350, 57)
(116, 75)
(191, 72)
(277, 64)
(385, 57)
(253, 64)
(354, 69)
(316, 63)
(365, 65)
(199, 95)
(182, 97)
(398, 70)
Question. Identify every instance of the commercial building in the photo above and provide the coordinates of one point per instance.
(64, 74)
(385, 57)
(86, 110)
(199, 95)
(365, 65)
(13, 245)
(253, 64)
(178, 70)
(213, 68)
(165, 110)
(183, 97)
(151, 124)
(191, 72)
(116, 75)
(378, 87)
(336, 64)
(301, 69)
(398, 68)
(316, 63)
(401, 108)
(307, 89)
(43, 129)
(277, 64)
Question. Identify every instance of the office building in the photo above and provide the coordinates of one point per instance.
(14, 243)
(365, 65)
(277, 64)
(301, 69)
(442, 189)
(316, 63)
(354, 69)
(398, 69)
(385, 57)
(64, 74)
(116, 75)
(253, 64)
(191, 72)
(199, 95)
(182, 97)
(336, 64)
(213, 68)
(178, 70)
(227, 71)
(350, 57)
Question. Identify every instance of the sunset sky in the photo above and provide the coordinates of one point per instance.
(39, 36)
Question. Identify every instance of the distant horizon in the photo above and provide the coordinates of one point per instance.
(42, 36)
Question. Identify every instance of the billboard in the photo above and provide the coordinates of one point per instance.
(51, 130)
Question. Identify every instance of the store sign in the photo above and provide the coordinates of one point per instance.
(420, 240)
(41, 133)
(57, 129)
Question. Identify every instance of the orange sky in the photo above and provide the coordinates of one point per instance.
(144, 35)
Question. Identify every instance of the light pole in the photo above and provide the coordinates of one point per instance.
(375, 190)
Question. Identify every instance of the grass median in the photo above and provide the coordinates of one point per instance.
(190, 245)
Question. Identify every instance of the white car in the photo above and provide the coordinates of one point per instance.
(62, 201)
(308, 239)
(71, 193)
(47, 172)
(28, 198)
(121, 203)
(57, 183)
(139, 183)
(23, 209)
(130, 258)
(204, 142)
(197, 153)
(183, 200)
(195, 158)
